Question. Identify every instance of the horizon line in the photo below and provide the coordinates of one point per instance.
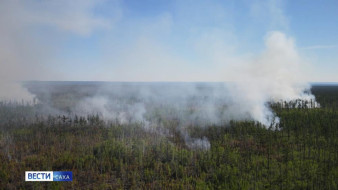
(310, 82)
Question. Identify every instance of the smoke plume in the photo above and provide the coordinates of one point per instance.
(278, 74)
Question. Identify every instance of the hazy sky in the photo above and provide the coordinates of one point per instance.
(154, 40)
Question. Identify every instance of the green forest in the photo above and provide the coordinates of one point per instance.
(300, 153)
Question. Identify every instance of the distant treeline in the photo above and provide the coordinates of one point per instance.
(327, 95)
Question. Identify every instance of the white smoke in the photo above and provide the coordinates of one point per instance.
(13, 91)
(111, 109)
(279, 73)
(197, 143)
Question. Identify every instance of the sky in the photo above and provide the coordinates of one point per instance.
(157, 40)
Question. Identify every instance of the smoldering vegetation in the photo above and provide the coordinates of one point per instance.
(166, 108)
(126, 102)
(165, 152)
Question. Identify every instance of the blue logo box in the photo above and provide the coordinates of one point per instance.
(62, 176)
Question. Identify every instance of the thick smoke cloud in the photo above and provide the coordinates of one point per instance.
(279, 73)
